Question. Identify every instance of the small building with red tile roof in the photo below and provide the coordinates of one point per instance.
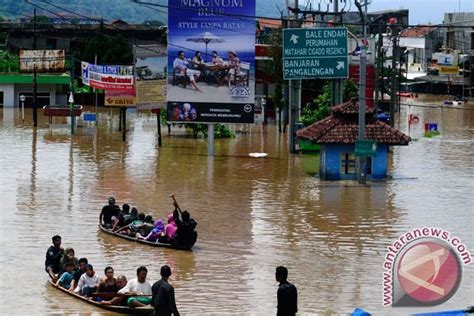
(337, 135)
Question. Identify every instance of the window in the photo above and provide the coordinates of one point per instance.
(51, 43)
(1, 98)
(348, 163)
(42, 98)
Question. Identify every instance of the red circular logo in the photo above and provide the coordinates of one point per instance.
(429, 272)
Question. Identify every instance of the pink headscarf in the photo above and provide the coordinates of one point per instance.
(170, 229)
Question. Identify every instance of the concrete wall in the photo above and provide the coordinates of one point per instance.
(8, 90)
(11, 93)
(460, 38)
(331, 162)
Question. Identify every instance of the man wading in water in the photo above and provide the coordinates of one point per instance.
(287, 294)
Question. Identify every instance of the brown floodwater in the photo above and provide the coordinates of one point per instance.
(253, 214)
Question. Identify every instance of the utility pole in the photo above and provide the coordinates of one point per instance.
(393, 94)
(379, 69)
(336, 84)
(294, 96)
(35, 86)
(361, 161)
(71, 96)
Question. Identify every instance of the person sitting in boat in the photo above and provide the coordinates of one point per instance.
(138, 286)
(185, 234)
(53, 258)
(132, 228)
(133, 216)
(66, 278)
(78, 272)
(88, 282)
(170, 231)
(119, 221)
(69, 256)
(145, 228)
(121, 282)
(155, 233)
(108, 212)
(109, 283)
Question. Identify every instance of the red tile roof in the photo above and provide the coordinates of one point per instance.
(342, 127)
(350, 107)
(417, 31)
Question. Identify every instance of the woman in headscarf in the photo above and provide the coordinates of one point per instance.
(69, 256)
(170, 230)
(155, 233)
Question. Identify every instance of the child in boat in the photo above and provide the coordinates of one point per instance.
(88, 282)
(67, 276)
(155, 233)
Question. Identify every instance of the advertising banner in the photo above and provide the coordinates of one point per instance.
(107, 77)
(151, 74)
(120, 98)
(42, 60)
(448, 70)
(211, 60)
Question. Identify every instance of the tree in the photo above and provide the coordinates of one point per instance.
(351, 89)
(274, 68)
(319, 108)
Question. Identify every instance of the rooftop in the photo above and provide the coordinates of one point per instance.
(342, 128)
(417, 31)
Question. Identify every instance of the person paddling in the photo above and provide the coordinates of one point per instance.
(186, 234)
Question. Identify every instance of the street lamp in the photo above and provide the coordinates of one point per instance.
(22, 99)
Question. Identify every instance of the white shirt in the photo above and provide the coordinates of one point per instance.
(86, 280)
(134, 286)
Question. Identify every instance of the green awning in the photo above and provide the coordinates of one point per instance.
(41, 78)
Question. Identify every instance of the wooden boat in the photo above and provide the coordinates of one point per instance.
(114, 308)
(154, 244)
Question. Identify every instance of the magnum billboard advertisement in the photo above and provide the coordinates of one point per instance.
(211, 61)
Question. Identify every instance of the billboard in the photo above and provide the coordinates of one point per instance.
(120, 98)
(108, 77)
(151, 73)
(42, 60)
(211, 61)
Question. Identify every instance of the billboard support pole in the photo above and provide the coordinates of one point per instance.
(361, 161)
(294, 97)
(124, 123)
(96, 99)
(35, 86)
(210, 139)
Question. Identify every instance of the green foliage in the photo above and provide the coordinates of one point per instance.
(351, 89)
(319, 108)
(164, 116)
(9, 62)
(274, 67)
(220, 131)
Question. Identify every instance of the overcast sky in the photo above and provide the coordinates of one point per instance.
(424, 11)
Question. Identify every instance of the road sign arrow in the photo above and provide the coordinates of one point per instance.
(340, 65)
(294, 38)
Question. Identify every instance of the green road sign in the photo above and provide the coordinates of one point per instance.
(315, 53)
(365, 148)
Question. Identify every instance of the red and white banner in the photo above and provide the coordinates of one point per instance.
(108, 77)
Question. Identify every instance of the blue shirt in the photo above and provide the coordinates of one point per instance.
(65, 279)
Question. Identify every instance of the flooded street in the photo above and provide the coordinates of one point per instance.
(253, 214)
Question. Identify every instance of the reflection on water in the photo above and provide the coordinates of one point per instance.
(253, 213)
